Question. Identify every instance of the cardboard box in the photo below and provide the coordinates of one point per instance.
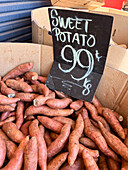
(41, 25)
(113, 87)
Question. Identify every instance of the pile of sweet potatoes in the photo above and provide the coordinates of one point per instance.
(48, 130)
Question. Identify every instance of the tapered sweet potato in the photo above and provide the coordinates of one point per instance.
(47, 138)
(26, 97)
(115, 143)
(40, 88)
(58, 103)
(19, 114)
(53, 135)
(73, 146)
(88, 143)
(112, 164)
(42, 79)
(29, 118)
(4, 115)
(124, 162)
(11, 148)
(44, 110)
(76, 105)
(10, 119)
(103, 162)
(34, 131)
(7, 100)
(56, 162)
(30, 76)
(18, 85)
(30, 155)
(12, 132)
(42, 129)
(2, 151)
(50, 123)
(57, 145)
(17, 160)
(61, 95)
(25, 128)
(94, 134)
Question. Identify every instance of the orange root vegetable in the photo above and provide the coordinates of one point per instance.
(54, 135)
(17, 160)
(44, 110)
(114, 123)
(124, 162)
(61, 95)
(58, 144)
(65, 120)
(73, 146)
(88, 143)
(58, 103)
(7, 100)
(115, 143)
(19, 79)
(56, 162)
(12, 132)
(42, 79)
(50, 123)
(18, 71)
(112, 164)
(30, 76)
(26, 97)
(29, 118)
(34, 82)
(19, 114)
(18, 85)
(4, 115)
(10, 119)
(94, 114)
(47, 138)
(34, 131)
(125, 131)
(95, 135)
(94, 123)
(93, 153)
(13, 105)
(89, 161)
(103, 162)
(42, 129)
(78, 165)
(7, 91)
(97, 104)
(41, 99)
(12, 114)
(3, 135)
(5, 108)
(30, 155)
(76, 105)
(40, 88)
(2, 151)
(11, 148)
(24, 128)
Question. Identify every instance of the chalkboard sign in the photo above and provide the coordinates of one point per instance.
(80, 44)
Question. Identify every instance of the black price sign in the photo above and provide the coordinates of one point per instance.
(80, 43)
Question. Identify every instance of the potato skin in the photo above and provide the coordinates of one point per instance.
(11, 148)
(2, 151)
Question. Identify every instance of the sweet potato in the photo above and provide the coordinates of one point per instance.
(3, 135)
(10, 119)
(94, 134)
(42, 79)
(94, 114)
(61, 95)
(57, 145)
(4, 115)
(76, 105)
(12, 132)
(11, 148)
(7, 91)
(42, 129)
(34, 82)
(41, 99)
(112, 164)
(65, 120)
(93, 153)
(73, 146)
(24, 128)
(20, 69)
(89, 161)
(44, 110)
(26, 97)
(7, 100)
(42, 149)
(56, 162)
(29, 118)
(94, 123)
(47, 138)
(115, 143)
(53, 135)
(30, 155)
(58, 103)
(19, 114)
(2, 151)
(114, 123)
(103, 162)
(40, 88)
(17, 160)
(20, 86)
(88, 143)
(50, 123)
(19, 79)
(78, 165)
(30, 76)
(12, 114)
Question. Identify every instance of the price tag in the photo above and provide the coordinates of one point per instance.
(80, 44)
